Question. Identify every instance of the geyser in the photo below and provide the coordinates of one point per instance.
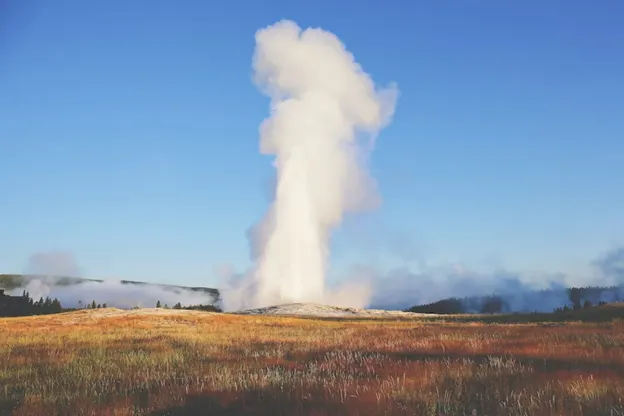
(323, 106)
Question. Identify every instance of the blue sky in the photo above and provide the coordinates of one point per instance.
(129, 133)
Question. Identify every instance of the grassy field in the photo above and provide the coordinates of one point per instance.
(184, 362)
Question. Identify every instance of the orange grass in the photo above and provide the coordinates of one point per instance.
(183, 362)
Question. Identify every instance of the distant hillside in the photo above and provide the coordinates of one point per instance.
(17, 281)
(529, 301)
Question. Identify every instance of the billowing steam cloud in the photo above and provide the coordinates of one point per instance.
(54, 274)
(321, 102)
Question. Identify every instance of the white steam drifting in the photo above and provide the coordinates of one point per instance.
(321, 104)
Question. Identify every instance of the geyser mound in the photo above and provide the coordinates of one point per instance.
(323, 108)
(320, 310)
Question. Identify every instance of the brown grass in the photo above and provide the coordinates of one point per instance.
(182, 362)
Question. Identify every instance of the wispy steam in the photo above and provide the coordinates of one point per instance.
(321, 104)
(611, 266)
(52, 263)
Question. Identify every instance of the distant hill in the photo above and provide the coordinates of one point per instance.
(17, 281)
(528, 301)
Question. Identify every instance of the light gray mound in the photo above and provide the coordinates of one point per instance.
(313, 309)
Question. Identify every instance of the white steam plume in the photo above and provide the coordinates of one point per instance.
(320, 101)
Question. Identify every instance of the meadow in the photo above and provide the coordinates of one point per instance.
(157, 362)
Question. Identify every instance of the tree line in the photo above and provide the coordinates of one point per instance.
(25, 305)
(206, 308)
(91, 305)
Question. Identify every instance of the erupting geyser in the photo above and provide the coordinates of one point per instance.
(322, 105)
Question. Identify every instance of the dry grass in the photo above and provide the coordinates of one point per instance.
(182, 362)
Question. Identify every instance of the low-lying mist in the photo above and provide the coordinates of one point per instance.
(396, 289)
(56, 274)
(402, 288)
(113, 293)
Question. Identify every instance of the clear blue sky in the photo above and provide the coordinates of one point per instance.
(128, 132)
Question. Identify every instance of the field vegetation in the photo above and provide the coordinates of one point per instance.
(176, 362)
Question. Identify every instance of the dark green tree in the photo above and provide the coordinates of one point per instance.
(56, 306)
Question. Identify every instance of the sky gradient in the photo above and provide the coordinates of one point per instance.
(129, 134)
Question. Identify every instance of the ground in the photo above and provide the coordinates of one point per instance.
(171, 362)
